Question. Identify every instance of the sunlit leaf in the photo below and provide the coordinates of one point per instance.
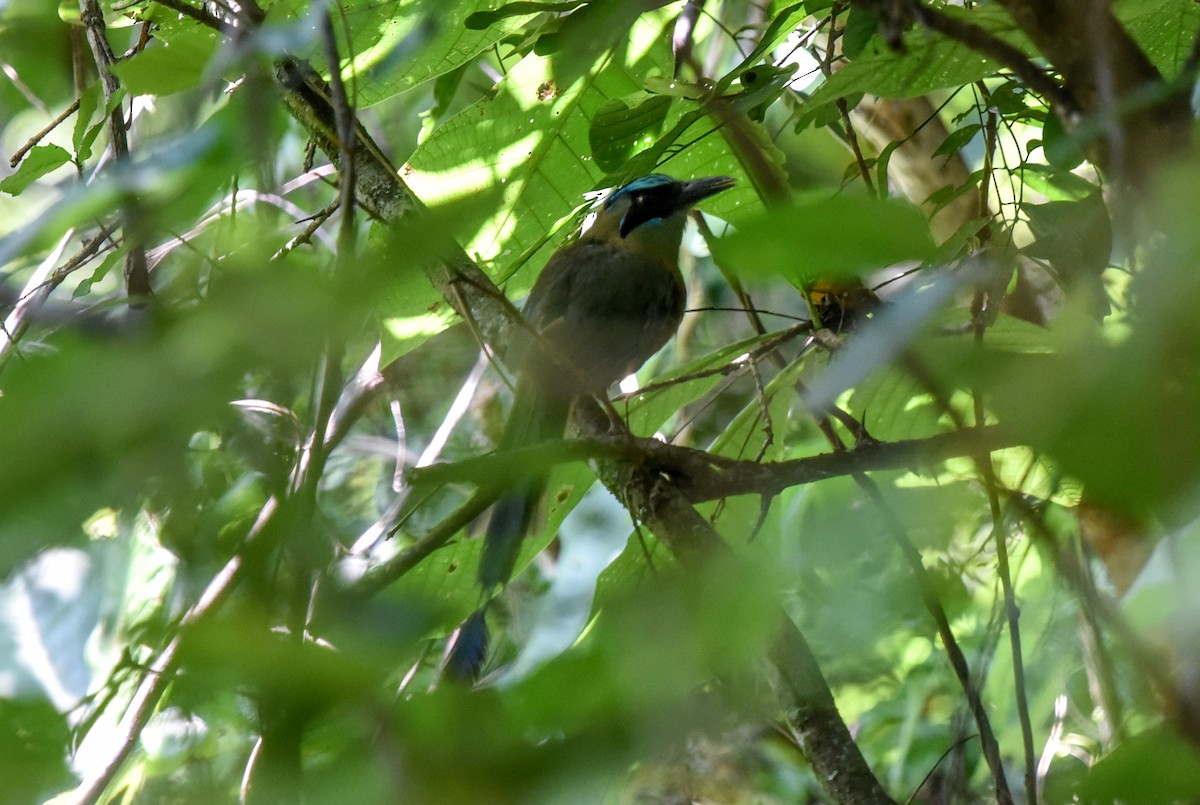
(40, 160)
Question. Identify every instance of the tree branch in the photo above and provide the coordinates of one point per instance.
(380, 190)
(137, 272)
(702, 476)
(812, 713)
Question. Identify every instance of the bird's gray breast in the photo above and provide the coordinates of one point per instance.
(604, 309)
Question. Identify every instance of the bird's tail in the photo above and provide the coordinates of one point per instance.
(535, 418)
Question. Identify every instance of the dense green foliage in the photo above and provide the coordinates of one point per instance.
(239, 514)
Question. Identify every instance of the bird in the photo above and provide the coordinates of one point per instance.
(842, 303)
(601, 307)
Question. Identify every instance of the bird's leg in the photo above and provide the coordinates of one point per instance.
(618, 423)
(588, 409)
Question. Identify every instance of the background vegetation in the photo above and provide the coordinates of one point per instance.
(246, 409)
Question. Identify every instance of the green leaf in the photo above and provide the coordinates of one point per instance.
(1075, 236)
(1156, 766)
(34, 743)
(395, 46)
(861, 25)
(745, 433)
(99, 273)
(1163, 29)
(928, 62)
(621, 124)
(40, 160)
(762, 85)
(683, 386)
(893, 405)
(530, 140)
(957, 139)
(1062, 149)
(1009, 99)
(944, 195)
(1056, 185)
(881, 167)
(1011, 334)
(483, 19)
(826, 239)
(409, 308)
(400, 45)
(445, 87)
(87, 137)
(178, 64)
(449, 576)
(83, 137)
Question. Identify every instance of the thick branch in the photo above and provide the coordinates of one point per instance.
(812, 713)
(379, 189)
(701, 476)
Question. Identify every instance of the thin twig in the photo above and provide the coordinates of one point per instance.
(983, 463)
(318, 220)
(826, 67)
(158, 676)
(852, 141)
(37, 138)
(383, 575)
(954, 652)
(137, 273)
(345, 123)
(200, 15)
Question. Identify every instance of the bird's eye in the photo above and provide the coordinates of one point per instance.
(639, 199)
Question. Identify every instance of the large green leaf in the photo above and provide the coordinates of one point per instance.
(172, 65)
(40, 160)
(390, 47)
(1163, 29)
(927, 62)
(34, 740)
(825, 238)
(532, 140)
(1155, 766)
(399, 45)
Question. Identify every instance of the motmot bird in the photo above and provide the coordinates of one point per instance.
(600, 308)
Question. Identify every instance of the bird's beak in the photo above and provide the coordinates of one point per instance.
(700, 189)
